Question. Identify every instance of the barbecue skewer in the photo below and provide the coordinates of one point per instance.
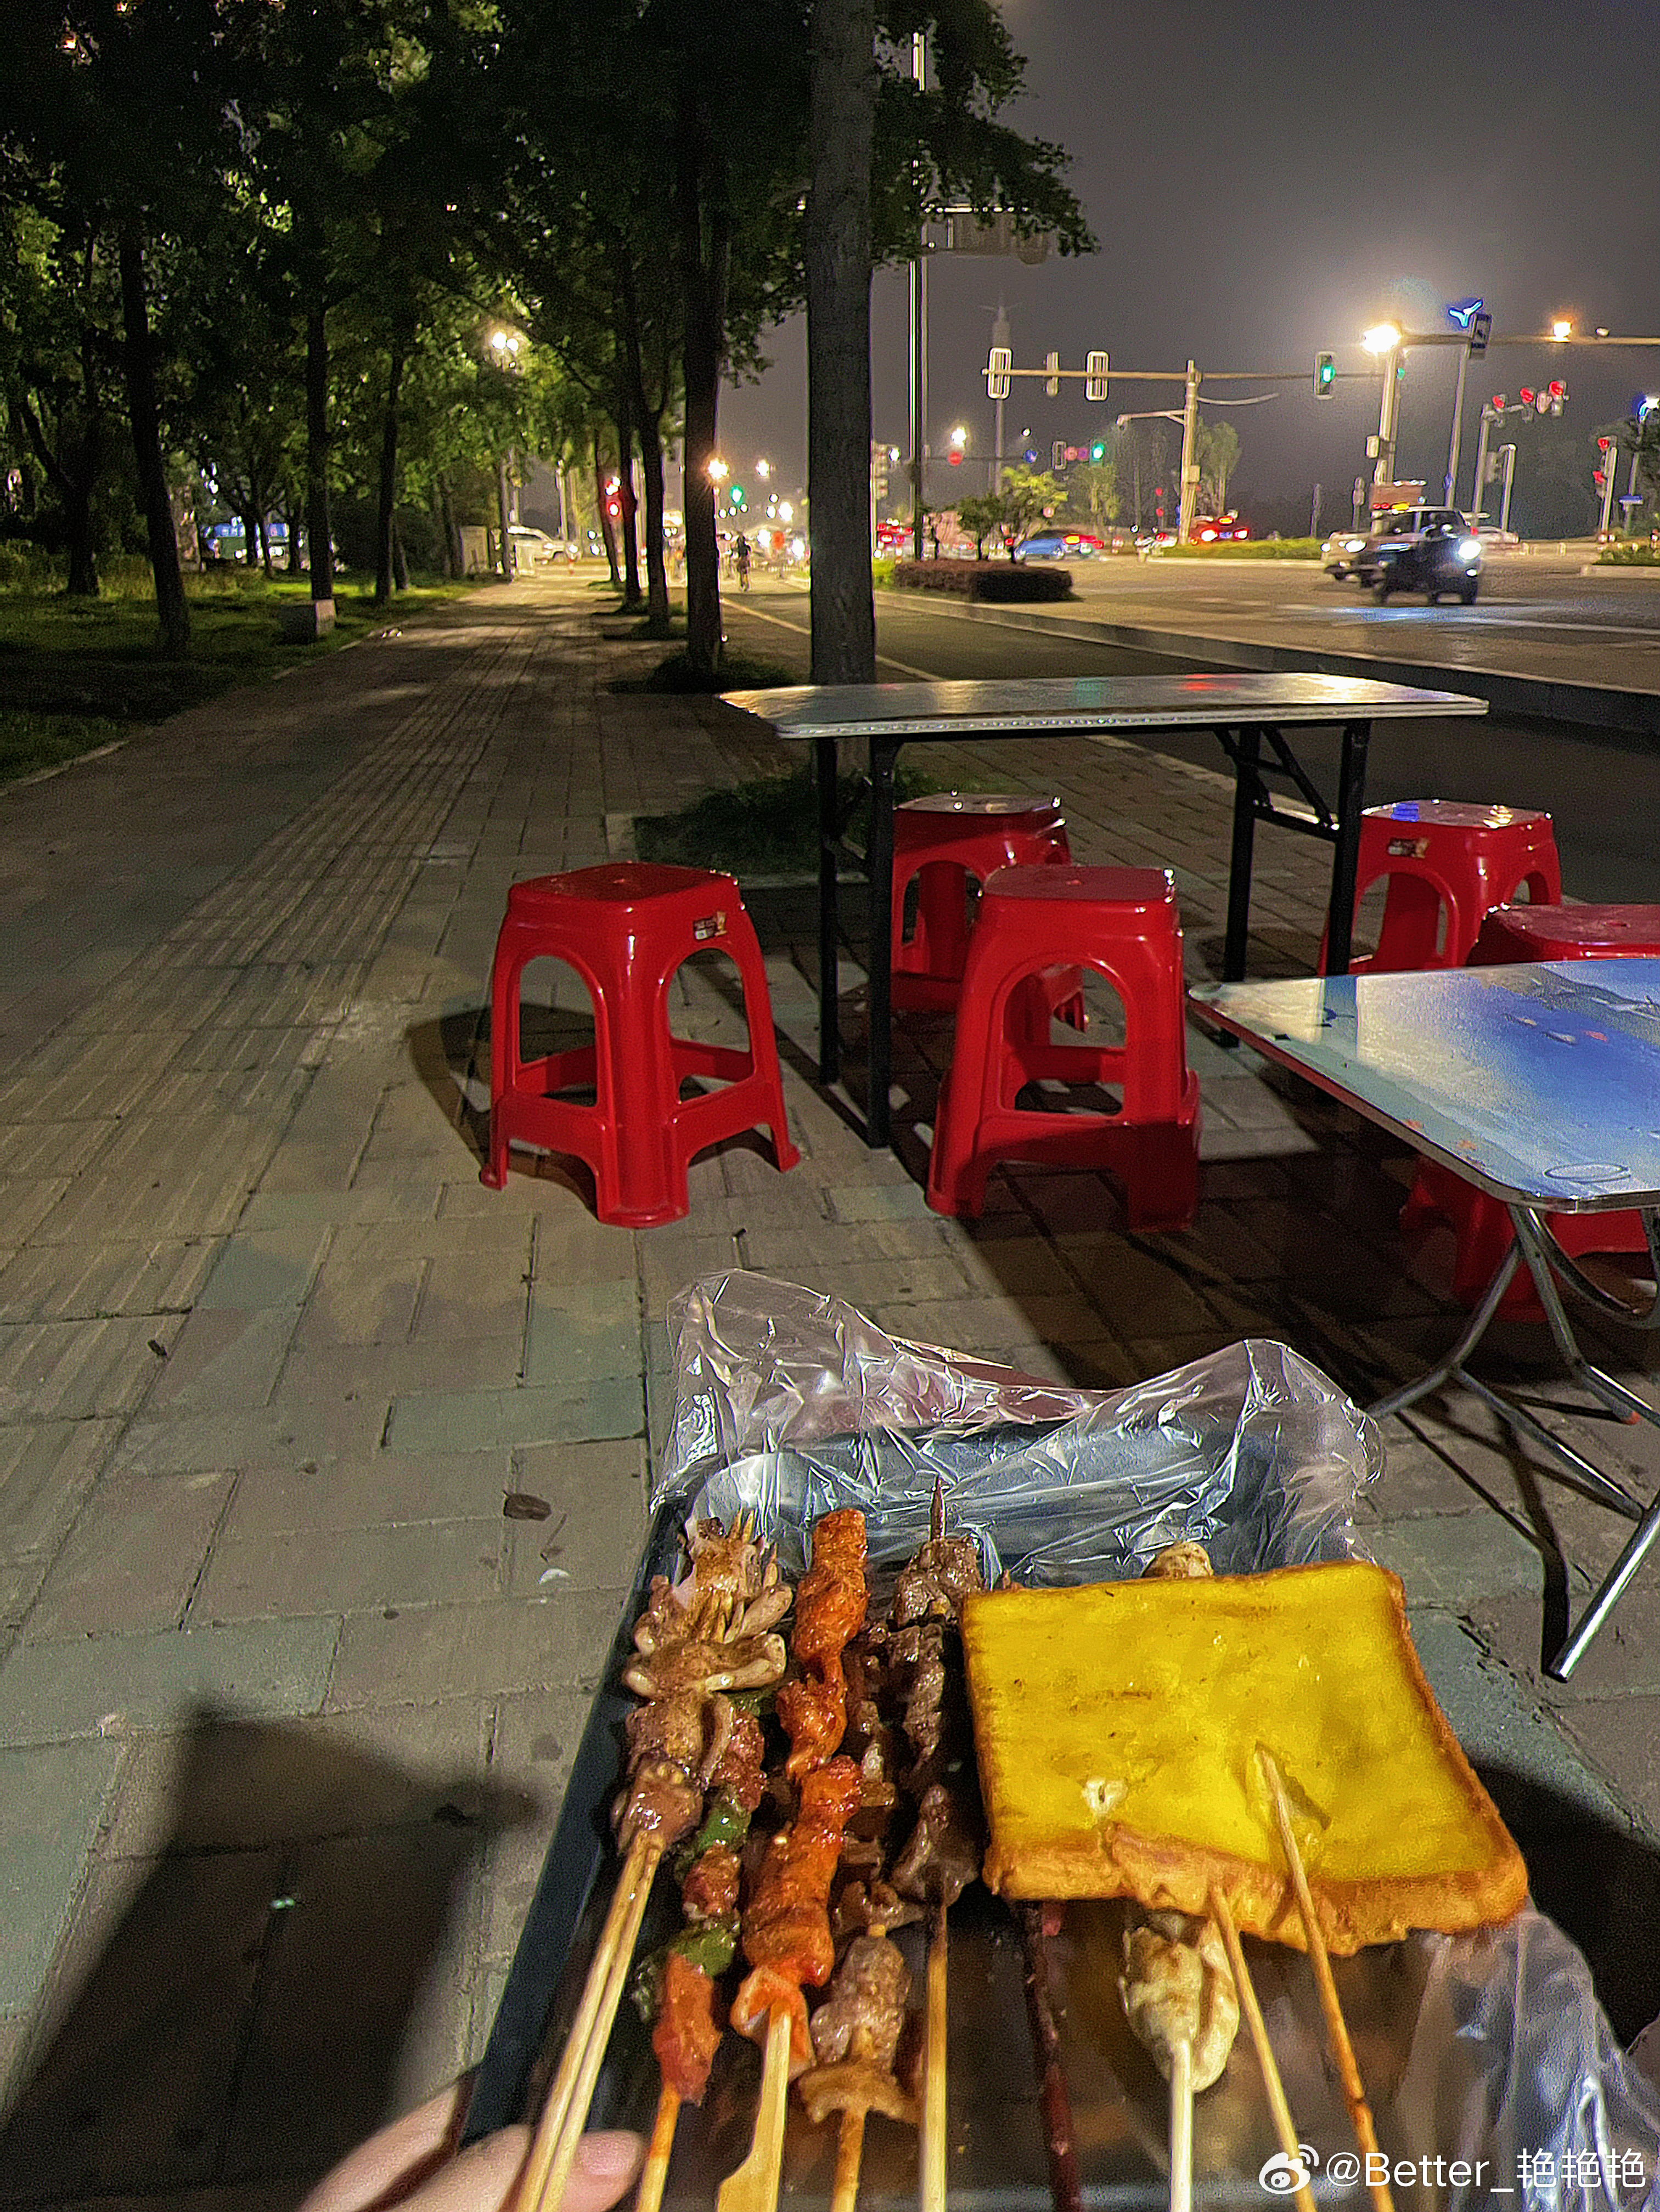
(655, 2173)
(1348, 2066)
(931, 2196)
(753, 2187)
(553, 2149)
(1222, 1913)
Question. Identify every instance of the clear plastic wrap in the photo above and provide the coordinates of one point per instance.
(1497, 2080)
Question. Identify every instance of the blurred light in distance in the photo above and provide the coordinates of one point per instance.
(1381, 338)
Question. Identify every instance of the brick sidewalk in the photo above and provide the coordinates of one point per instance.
(286, 1703)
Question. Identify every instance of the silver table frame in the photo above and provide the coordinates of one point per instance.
(1249, 713)
(1545, 1259)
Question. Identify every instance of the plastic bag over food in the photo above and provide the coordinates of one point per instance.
(1500, 2082)
(1251, 1451)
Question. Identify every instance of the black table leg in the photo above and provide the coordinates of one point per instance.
(883, 755)
(830, 1033)
(1345, 857)
(1246, 750)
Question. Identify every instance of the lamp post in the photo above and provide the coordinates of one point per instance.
(1384, 339)
(505, 347)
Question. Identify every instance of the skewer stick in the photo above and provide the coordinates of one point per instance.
(931, 2187)
(553, 2150)
(849, 2151)
(655, 2173)
(1222, 1913)
(1336, 2026)
(1180, 2127)
(753, 2187)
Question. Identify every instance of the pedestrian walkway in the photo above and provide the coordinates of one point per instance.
(290, 1679)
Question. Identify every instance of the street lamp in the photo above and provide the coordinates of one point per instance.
(505, 345)
(763, 470)
(1562, 328)
(1381, 338)
(1384, 339)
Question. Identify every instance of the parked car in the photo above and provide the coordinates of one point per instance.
(1431, 549)
(1219, 530)
(532, 548)
(1339, 550)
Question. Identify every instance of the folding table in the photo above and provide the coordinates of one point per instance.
(1540, 1085)
(1249, 713)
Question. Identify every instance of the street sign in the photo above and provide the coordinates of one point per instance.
(1052, 382)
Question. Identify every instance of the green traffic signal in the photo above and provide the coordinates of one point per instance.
(1098, 450)
(736, 497)
(1325, 374)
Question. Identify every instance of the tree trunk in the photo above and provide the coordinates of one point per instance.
(505, 562)
(144, 414)
(704, 250)
(400, 567)
(842, 122)
(657, 575)
(627, 503)
(317, 456)
(453, 564)
(605, 530)
(383, 531)
(250, 538)
(72, 473)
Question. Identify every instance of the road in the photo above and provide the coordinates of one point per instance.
(1604, 794)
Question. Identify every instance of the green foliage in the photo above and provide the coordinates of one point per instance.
(1640, 554)
(1003, 581)
(1028, 496)
(1216, 448)
(1249, 549)
(1092, 492)
(982, 516)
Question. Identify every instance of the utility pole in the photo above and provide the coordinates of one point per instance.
(1480, 468)
(1508, 453)
(1000, 336)
(1388, 412)
(919, 334)
(1189, 462)
(1450, 489)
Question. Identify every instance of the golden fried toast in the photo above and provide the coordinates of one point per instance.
(1118, 1727)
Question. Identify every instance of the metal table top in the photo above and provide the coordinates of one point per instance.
(1540, 1084)
(1088, 703)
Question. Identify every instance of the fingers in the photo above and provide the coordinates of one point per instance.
(484, 2178)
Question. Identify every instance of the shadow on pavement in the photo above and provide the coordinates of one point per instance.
(274, 1987)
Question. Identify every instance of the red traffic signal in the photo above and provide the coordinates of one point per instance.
(1604, 444)
(955, 458)
(1527, 396)
(1598, 478)
(1557, 389)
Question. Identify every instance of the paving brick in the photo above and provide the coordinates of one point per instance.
(265, 1267)
(472, 1650)
(593, 1537)
(133, 1558)
(580, 1332)
(535, 1743)
(1623, 1661)
(360, 1296)
(224, 1358)
(46, 1470)
(232, 1784)
(52, 1798)
(340, 1570)
(475, 1294)
(65, 1282)
(52, 1693)
(1453, 1559)
(382, 1489)
(141, 2066)
(475, 1420)
(311, 1428)
(78, 1370)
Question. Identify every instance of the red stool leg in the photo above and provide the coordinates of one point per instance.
(505, 970)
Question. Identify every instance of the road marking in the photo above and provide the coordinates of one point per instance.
(883, 660)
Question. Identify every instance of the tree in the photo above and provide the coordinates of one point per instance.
(1028, 495)
(983, 514)
(1216, 448)
(841, 132)
(1092, 491)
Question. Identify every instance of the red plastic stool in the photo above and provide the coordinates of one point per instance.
(1510, 934)
(625, 929)
(939, 842)
(1123, 923)
(1442, 854)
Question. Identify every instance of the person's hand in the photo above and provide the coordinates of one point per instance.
(414, 2164)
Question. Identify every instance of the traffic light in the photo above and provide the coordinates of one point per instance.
(1526, 397)
(1481, 331)
(1095, 376)
(1058, 454)
(998, 365)
(1603, 445)
(1325, 374)
(1099, 451)
(1556, 393)
(735, 498)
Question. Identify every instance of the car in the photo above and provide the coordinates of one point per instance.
(1431, 549)
(532, 548)
(1339, 551)
(1220, 529)
(1059, 545)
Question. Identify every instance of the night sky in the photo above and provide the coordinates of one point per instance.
(1266, 180)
